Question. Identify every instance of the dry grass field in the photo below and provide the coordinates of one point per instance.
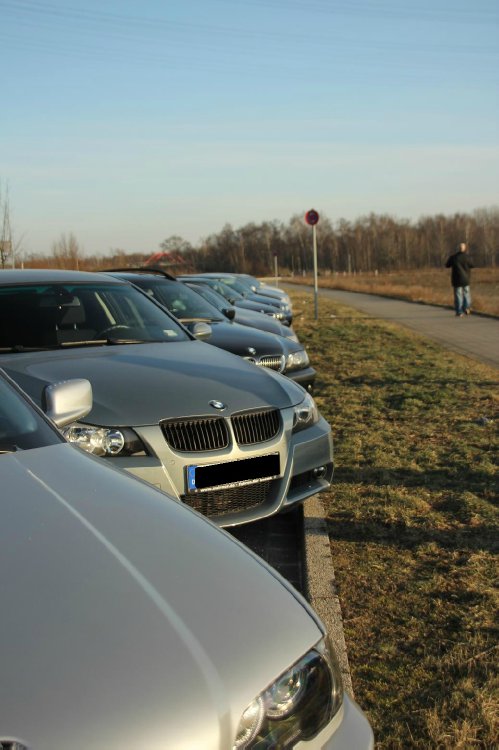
(413, 524)
(426, 285)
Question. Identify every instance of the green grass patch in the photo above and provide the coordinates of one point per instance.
(413, 523)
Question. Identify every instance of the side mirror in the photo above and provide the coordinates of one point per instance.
(229, 313)
(67, 401)
(201, 331)
(231, 301)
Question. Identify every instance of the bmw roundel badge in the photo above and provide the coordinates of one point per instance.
(218, 405)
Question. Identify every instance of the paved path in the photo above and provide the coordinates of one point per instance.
(475, 335)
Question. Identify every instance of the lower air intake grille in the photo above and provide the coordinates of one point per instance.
(276, 362)
(256, 427)
(234, 500)
(196, 435)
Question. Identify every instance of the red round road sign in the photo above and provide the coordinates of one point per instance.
(312, 217)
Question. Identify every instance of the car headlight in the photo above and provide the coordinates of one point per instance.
(104, 441)
(305, 414)
(277, 315)
(297, 360)
(296, 707)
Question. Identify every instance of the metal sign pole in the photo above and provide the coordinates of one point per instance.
(312, 217)
(316, 285)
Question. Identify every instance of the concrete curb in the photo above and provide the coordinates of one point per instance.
(321, 583)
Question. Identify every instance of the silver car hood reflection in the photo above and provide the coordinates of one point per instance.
(140, 384)
(172, 657)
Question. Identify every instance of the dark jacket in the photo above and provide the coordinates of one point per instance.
(461, 267)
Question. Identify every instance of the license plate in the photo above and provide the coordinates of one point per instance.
(202, 478)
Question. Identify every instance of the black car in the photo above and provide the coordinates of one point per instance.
(253, 286)
(241, 315)
(238, 300)
(259, 287)
(262, 348)
(243, 287)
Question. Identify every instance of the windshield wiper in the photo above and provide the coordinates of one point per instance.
(199, 320)
(7, 448)
(19, 348)
(112, 342)
(100, 342)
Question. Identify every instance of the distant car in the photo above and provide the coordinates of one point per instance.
(262, 288)
(235, 298)
(240, 315)
(131, 622)
(264, 349)
(257, 287)
(244, 288)
(234, 441)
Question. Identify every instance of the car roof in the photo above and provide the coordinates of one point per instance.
(140, 271)
(217, 274)
(51, 275)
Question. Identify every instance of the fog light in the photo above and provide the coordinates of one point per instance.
(319, 472)
(250, 724)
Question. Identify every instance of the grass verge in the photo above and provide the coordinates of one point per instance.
(413, 525)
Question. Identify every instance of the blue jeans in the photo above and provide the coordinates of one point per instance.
(462, 299)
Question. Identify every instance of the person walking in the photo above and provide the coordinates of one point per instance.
(461, 266)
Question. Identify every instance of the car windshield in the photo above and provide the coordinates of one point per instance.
(53, 315)
(21, 427)
(226, 291)
(252, 280)
(217, 286)
(238, 286)
(210, 296)
(178, 299)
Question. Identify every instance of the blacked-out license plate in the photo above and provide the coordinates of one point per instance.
(232, 473)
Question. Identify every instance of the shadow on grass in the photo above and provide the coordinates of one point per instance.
(458, 479)
(482, 537)
(456, 520)
(428, 381)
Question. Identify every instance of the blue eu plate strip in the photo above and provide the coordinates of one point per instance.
(191, 477)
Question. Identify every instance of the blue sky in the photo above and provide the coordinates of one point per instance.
(127, 122)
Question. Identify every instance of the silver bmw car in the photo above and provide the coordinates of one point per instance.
(130, 622)
(232, 440)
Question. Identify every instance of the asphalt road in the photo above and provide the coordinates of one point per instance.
(475, 336)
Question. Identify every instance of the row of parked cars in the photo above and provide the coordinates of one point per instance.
(127, 617)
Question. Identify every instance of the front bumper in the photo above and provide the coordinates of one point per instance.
(305, 377)
(348, 730)
(305, 461)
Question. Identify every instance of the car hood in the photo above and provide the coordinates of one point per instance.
(264, 299)
(239, 339)
(249, 304)
(140, 384)
(260, 320)
(128, 620)
(272, 291)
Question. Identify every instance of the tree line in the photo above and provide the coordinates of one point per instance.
(373, 243)
(369, 244)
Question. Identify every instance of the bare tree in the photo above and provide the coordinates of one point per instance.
(7, 249)
(66, 252)
(175, 244)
